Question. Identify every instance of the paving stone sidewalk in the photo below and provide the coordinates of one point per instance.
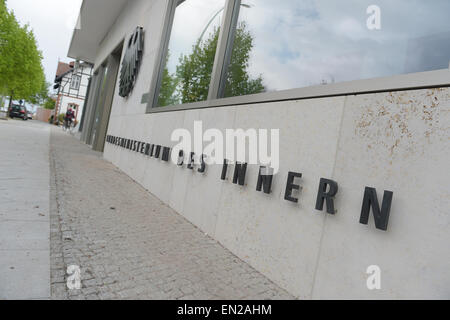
(129, 244)
(24, 210)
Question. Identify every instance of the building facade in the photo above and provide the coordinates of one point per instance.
(73, 85)
(360, 205)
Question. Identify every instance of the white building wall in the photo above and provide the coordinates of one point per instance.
(65, 101)
(74, 96)
(394, 141)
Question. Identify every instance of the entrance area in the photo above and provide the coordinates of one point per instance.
(98, 106)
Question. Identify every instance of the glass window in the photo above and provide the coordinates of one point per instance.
(192, 49)
(75, 83)
(299, 43)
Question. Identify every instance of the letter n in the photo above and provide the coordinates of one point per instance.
(239, 174)
(158, 151)
(264, 181)
(165, 154)
(371, 201)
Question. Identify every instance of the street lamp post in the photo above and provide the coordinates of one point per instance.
(211, 21)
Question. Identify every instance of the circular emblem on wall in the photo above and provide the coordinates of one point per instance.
(131, 62)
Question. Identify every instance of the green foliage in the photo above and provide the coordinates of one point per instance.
(194, 70)
(168, 94)
(61, 117)
(40, 97)
(49, 104)
(191, 81)
(238, 79)
(21, 71)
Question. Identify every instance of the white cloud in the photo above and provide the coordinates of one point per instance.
(301, 43)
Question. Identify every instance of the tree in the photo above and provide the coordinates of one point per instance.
(191, 81)
(41, 96)
(194, 70)
(8, 27)
(238, 79)
(168, 95)
(21, 71)
(49, 103)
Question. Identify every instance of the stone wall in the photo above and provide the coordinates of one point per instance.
(43, 114)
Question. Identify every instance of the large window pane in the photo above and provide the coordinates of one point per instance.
(298, 43)
(192, 49)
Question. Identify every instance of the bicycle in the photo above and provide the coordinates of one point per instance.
(68, 125)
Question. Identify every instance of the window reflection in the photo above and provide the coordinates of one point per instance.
(291, 43)
(192, 48)
(239, 80)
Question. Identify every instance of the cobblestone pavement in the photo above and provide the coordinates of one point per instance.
(130, 245)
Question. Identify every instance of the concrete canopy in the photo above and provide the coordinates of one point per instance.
(95, 19)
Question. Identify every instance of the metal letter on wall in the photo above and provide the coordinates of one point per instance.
(131, 62)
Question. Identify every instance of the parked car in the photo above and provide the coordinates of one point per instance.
(17, 111)
(30, 115)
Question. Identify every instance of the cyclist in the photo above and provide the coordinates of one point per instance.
(70, 115)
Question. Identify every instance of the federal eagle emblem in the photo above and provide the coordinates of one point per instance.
(131, 62)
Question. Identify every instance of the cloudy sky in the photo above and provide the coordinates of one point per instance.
(296, 43)
(302, 43)
(53, 22)
(309, 42)
(191, 19)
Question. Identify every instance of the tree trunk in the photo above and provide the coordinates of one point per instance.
(10, 100)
